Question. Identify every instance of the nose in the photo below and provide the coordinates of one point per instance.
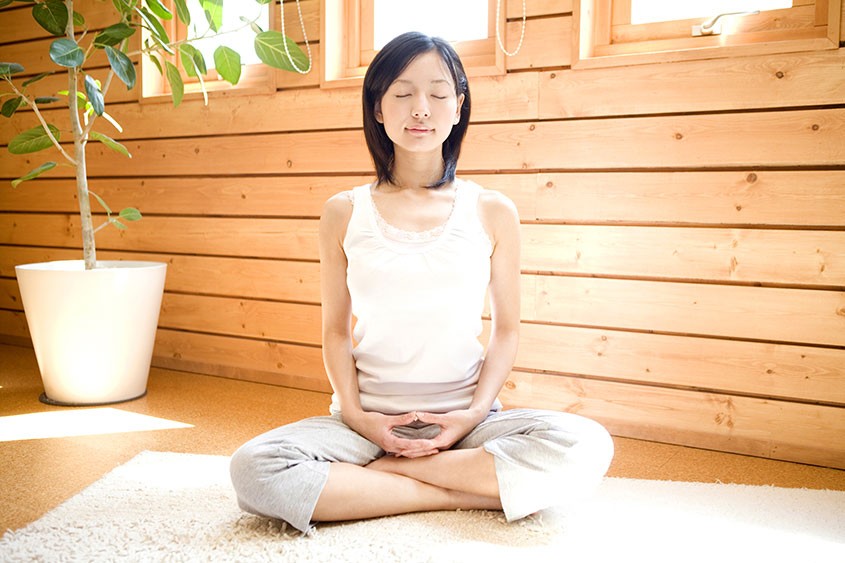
(420, 109)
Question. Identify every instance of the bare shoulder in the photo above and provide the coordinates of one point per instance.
(495, 208)
(339, 205)
(336, 214)
(338, 208)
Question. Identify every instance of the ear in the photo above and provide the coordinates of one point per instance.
(461, 99)
(377, 112)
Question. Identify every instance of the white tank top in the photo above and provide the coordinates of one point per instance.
(418, 300)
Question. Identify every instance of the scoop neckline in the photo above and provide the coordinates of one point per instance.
(412, 245)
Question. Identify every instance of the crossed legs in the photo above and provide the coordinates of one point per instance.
(446, 481)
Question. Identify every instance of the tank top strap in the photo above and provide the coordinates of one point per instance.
(466, 206)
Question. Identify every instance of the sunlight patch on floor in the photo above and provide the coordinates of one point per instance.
(83, 422)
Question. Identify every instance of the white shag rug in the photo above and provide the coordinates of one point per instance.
(180, 507)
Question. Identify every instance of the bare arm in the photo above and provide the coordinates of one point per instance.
(336, 303)
(501, 220)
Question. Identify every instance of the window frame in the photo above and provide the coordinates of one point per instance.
(256, 78)
(602, 38)
(347, 28)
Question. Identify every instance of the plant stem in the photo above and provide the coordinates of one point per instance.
(89, 251)
(42, 121)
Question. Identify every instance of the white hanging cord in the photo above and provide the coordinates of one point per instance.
(499, 35)
(307, 46)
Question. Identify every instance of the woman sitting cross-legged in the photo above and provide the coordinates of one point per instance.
(415, 421)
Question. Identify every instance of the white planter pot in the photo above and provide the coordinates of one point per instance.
(93, 330)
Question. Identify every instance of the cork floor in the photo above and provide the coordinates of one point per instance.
(39, 474)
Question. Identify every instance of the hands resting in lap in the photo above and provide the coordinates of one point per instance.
(415, 434)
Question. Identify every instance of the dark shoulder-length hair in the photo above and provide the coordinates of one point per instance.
(386, 67)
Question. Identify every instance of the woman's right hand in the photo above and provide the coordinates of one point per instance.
(378, 428)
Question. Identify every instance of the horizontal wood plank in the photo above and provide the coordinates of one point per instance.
(799, 198)
(34, 56)
(266, 320)
(754, 313)
(759, 427)
(809, 258)
(806, 373)
(793, 138)
(260, 361)
(782, 139)
(495, 98)
(232, 277)
(289, 196)
(18, 25)
(294, 239)
(13, 324)
(735, 83)
(764, 198)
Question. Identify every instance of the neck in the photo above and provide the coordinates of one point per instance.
(415, 170)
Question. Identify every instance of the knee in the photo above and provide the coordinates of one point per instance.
(244, 467)
(586, 440)
(598, 441)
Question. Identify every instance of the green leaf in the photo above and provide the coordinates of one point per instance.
(51, 15)
(95, 96)
(177, 87)
(156, 62)
(256, 29)
(270, 48)
(122, 66)
(101, 201)
(46, 99)
(192, 60)
(155, 26)
(35, 173)
(124, 6)
(66, 53)
(228, 64)
(213, 13)
(110, 143)
(8, 69)
(78, 19)
(158, 9)
(11, 106)
(35, 79)
(164, 46)
(130, 214)
(113, 34)
(117, 224)
(33, 140)
(4, 3)
(182, 11)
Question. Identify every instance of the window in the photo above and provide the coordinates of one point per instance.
(234, 33)
(623, 32)
(354, 31)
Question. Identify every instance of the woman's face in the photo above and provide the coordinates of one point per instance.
(420, 108)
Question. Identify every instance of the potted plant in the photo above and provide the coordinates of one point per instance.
(93, 322)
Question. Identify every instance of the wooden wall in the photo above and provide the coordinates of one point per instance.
(684, 231)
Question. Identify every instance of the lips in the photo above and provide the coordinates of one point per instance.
(418, 130)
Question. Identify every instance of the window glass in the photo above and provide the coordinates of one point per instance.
(650, 11)
(453, 20)
(241, 40)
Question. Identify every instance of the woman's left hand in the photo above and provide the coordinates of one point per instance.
(453, 425)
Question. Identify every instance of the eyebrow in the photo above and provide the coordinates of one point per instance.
(437, 81)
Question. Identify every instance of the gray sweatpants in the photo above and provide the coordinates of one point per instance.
(542, 459)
